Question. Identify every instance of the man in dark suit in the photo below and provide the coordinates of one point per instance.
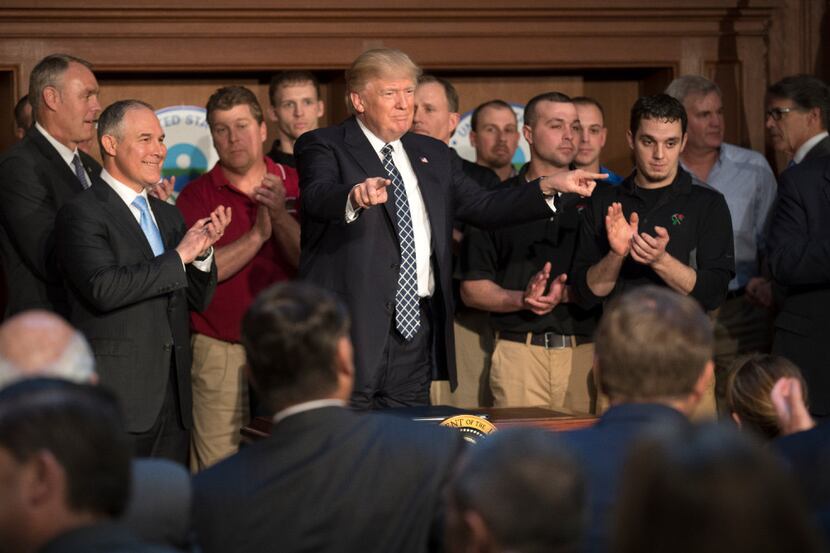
(39, 174)
(327, 479)
(65, 468)
(799, 256)
(132, 272)
(798, 116)
(390, 261)
(653, 360)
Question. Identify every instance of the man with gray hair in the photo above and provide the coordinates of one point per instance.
(378, 206)
(39, 174)
(744, 177)
(798, 117)
(40, 343)
(133, 270)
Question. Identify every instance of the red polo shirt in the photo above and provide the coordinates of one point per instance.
(223, 317)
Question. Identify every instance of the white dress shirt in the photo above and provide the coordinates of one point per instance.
(66, 154)
(807, 146)
(417, 210)
(128, 196)
(307, 406)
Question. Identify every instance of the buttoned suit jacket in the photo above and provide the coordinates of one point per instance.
(329, 480)
(359, 261)
(131, 305)
(34, 183)
(799, 255)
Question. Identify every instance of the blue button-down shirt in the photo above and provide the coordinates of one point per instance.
(745, 179)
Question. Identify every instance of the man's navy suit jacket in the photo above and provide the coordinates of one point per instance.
(329, 480)
(799, 257)
(131, 305)
(359, 261)
(34, 183)
(602, 451)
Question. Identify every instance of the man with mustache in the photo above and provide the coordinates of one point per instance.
(494, 133)
(544, 351)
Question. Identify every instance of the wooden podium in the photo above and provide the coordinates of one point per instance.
(505, 417)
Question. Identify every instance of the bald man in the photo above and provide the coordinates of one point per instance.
(40, 343)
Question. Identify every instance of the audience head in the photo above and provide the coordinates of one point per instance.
(296, 106)
(518, 490)
(64, 461)
(237, 128)
(40, 343)
(494, 133)
(552, 130)
(657, 135)
(296, 340)
(380, 91)
(436, 108)
(708, 489)
(132, 143)
(798, 108)
(593, 133)
(23, 118)
(654, 345)
(701, 99)
(64, 97)
(748, 392)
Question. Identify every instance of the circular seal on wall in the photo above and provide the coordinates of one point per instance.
(190, 151)
(460, 140)
(472, 427)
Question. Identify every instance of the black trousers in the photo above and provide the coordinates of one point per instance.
(405, 372)
(167, 438)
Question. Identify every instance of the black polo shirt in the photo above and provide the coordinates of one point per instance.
(512, 255)
(278, 156)
(700, 236)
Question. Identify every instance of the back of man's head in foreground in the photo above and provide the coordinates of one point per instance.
(296, 340)
(40, 343)
(654, 345)
(520, 491)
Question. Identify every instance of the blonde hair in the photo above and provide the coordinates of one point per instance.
(376, 63)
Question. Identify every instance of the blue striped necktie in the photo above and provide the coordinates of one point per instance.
(80, 172)
(407, 309)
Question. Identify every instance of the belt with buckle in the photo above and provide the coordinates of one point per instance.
(548, 340)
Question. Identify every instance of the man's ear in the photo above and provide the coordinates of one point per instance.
(109, 145)
(455, 118)
(43, 480)
(357, 102)
(528, 133)
(704, 381)
(321, 108)
(272, 115)
(344, 358)
(630, 138)
(683, 142)
(51, 97)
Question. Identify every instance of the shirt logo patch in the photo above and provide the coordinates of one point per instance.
(677, 218)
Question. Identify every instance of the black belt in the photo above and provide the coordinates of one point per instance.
(732, 294)
(548, 340)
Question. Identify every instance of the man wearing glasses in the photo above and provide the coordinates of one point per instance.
(798, 108)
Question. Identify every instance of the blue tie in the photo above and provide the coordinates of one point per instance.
(149, 227)
(792, 163)
(79, 171)
(407, 309)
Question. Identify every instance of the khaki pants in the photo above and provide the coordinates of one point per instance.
(740, 328)
(220, 400)
(473, 348)
(523, 375)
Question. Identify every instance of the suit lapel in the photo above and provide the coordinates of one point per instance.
(121, 215)
(167, 227)
(368, 159)
(59, 166)
(430, 187)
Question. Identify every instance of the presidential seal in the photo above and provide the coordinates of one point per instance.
(190, 151)
(460, 140)
(472, 427)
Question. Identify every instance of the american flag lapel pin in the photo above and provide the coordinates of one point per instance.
(424, 160)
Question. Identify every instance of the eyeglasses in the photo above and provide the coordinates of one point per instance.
(778, 113)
